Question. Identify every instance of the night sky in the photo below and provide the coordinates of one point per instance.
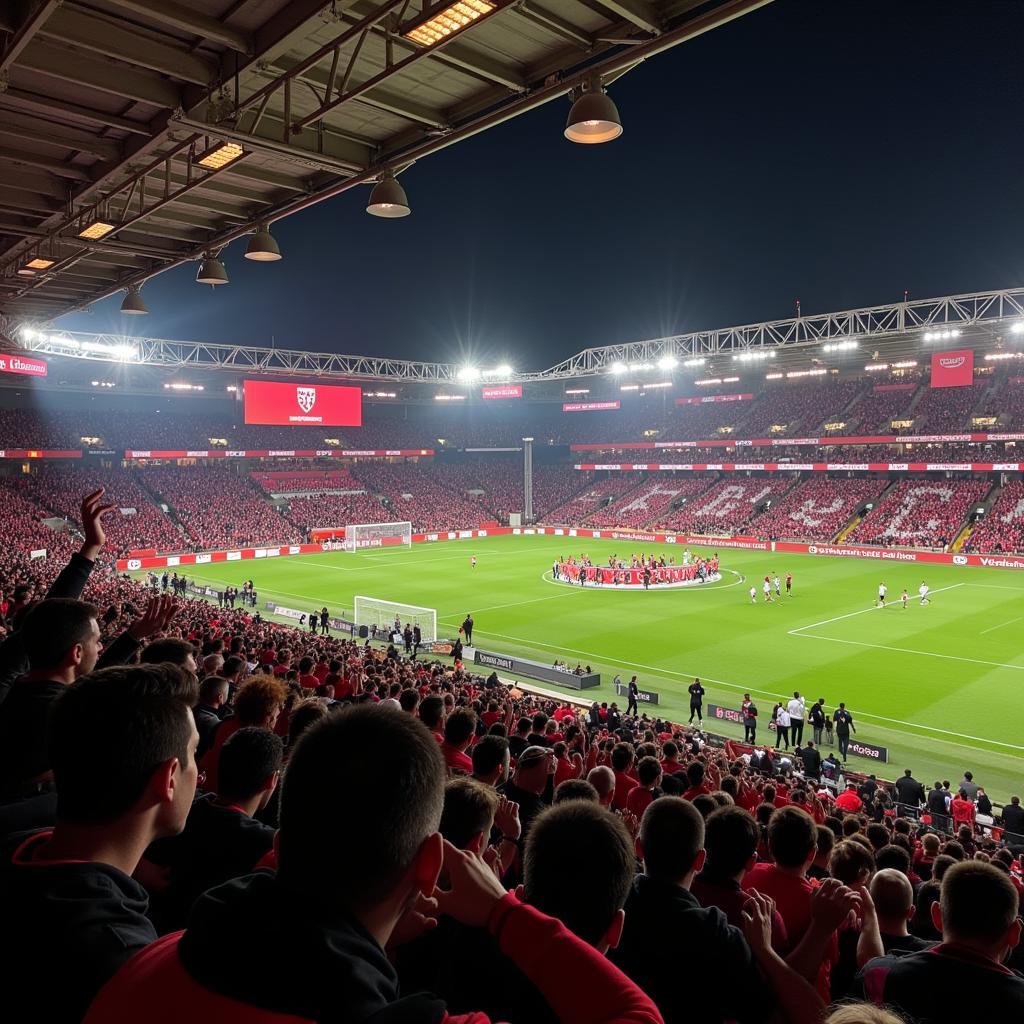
(835, 151)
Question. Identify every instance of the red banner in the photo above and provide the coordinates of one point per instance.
(953, 369)
(893, 387)
(23, 365)
(271, 453)
(702, 399)
(805, 467)
(39, 453)
(589, 406)
(504, 391)
(288, 404)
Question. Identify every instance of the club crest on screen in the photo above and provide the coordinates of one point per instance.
(306, 398)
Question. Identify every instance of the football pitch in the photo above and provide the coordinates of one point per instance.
(936, 685)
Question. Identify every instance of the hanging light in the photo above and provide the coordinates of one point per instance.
(133, 304)
(212, 272)
(388, 198)
(263, 246)
(594, 117)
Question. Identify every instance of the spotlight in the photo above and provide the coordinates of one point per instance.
(95, 228)
(133, 303)
(468, 373)
(618, 367)
(593, 118)
(263, 246)
(668, 363)
(444, 23)
(212, 272)
(388, 198)
(33, 265)
(1017, 328)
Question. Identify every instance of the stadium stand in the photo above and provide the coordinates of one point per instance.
(919, 513)
(727, 508)
(816, 509)
(593, 495)
(649, 500)
(1002, 529)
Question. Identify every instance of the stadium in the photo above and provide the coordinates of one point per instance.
(696, 621)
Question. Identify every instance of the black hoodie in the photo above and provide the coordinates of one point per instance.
(326, 966)
(66, 927)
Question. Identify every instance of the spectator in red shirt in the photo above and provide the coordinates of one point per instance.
(336, 777)
(459, 730)
(848, 801)
(670, 762)
(566, 766)
(307, 680)
(695, 777)
(963, 810)
(649, 774)
(622, 763)
(432, 715)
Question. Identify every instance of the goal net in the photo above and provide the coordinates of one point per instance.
(377, 535)
(374, 612)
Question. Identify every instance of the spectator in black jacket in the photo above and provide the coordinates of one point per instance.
(909, 791)
(221, 839)
(1013, 822)
(213, 695)
(122, 746)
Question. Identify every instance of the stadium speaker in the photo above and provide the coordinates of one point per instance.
(364, 632)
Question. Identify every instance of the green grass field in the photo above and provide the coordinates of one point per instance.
(937, 685)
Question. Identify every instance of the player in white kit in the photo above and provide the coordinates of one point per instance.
(923, 591)
(753, 595)
(904, 597)
(882, 591)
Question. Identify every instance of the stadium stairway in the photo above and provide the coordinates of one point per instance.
(844, 533)
(986, 503)
(961, 538)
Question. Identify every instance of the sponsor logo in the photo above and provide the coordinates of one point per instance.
(952, 362)
(173, 560)
(273, 552)
(197, 454)
(1002, 563)
(294, 549)
(235, 455)
(869, 750)
(725, 714)
(306, 397)
(812, 550)
(494, 660)
(203, 559)
(134, 563)
(282, 452)
(234, 556)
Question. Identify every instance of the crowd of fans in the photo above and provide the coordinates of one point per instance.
(727, 508)
(220, 509)
(301, 479)
(922, 514)
(1002, 529)
(945, 410)
(874, 412)
(206, 817)
(594, 495)
(816, 509)
(649, 500)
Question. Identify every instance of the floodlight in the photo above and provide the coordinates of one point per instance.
(468, 373)
(263, 246)
(668, 363)
(388, 198)
(212, 272)
(1017, 328)
(95, 228)
(133, 303)
(618, 367)
(33, 265)
(593, 118)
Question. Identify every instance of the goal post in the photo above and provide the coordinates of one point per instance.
(373, 611)
(377, 535)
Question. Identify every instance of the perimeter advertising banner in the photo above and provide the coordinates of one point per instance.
(953, 369)
(590, 406)
(287, 404)
(23, 365)
(703, 399)
(503, 391)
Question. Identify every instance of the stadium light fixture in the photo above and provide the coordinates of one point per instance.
(594, 118)
(449, 398)
(219, 155)
(709, 380)
(630, 387)
(618, 367)
(96, 228)
(695, 362)
(999, 356)
(133, 304)
(388, 198)
(730, 380)
(468, 374)
(1017, 328)
(876, 367)
(263, 247)
(184, 387)
(436, 25)
(840, 346)
(774, 376)
(754, 357)
(233, 388)
(34, 264)
(945, 334)
(212, 271)
(906, 364)
(577, 391)
(668, 363)
(660, 384)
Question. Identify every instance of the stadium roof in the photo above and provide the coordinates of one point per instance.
(136, 135)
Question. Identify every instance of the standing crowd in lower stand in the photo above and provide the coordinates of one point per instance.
(205, 817)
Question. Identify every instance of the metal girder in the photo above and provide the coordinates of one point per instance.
(639, 12)
(20, 99)
(57, 167)
(989, 312)
(98, 33)
(23, 33)
(188, 20)
(536, 14)
(95, 73)
(271, 143)
(19, 126)
(31, 181)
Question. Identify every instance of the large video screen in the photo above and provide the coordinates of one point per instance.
(288, 404)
